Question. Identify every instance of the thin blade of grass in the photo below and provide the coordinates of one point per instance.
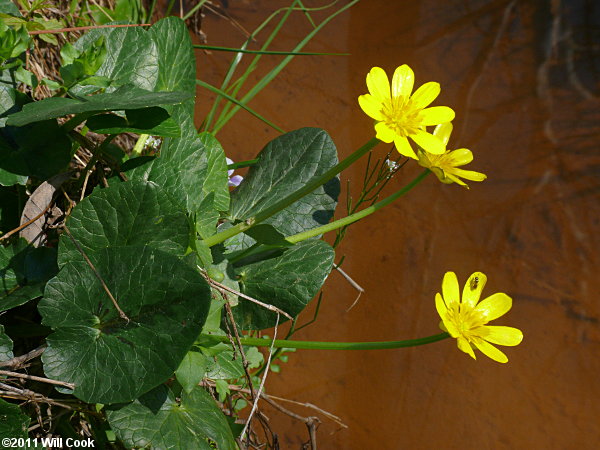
(234, 100)
(275, 71)
(264, 52)
(194, 9)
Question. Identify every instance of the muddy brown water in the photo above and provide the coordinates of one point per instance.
(523, 79)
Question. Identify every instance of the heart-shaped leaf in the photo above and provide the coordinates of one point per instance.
(132, 213)
(285, 165)
(288, 282)
(110, 359)
(159, 420)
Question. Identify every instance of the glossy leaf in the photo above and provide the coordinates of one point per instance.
(288, 282)
(189, 168)
(159, 420)
(155, 121)
(132, 213)
(126, 97)
(285, 165)
(109, 359)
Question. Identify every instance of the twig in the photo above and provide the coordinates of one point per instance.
(91, 27)
(104, 286)
(25, 394)
(34, 378)
(26, 224)
(18, 361)
(239, 294)
(262, 381)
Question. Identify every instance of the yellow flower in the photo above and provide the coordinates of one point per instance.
(465, 319)
(445, 166)
(399, 114)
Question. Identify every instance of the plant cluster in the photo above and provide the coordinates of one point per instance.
(135, 283)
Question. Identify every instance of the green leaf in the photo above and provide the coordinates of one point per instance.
(41, 149)
(191, 370)
(131, 57)
(6, 346)
(226, 365)
(8, 7)
(159, 420)
(125, 97)
(285, 165)
(154, 120)
(189, 168)
(24, 271)
(288, 282)
(13, 423)
(109, 359)
(263, 233)
(176, 62)
(132, 213)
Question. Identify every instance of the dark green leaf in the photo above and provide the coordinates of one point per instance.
(13, 423)
(12, 199)
(225, 366)
(6, 346)
(288, 282)
(285, 165)
(24, 271)
(41, 149)
(154, 120)
(109, 359)
(125, 97)
(132, 213)
(158, 420)
(264, 233)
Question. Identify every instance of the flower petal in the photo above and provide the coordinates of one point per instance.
(403, 81)
(472, 290)
(494, 306)
(428, 142)
(469, 174)
(384, 133)
(490, 351)
(235, 180)
(450, 290)
(452, 179)
(425, 95)
(464, 345)
(436, 115)
(370, 106)
(459, 157)
(443, 132)
(378, 84)
(502, 335)
(404, 147)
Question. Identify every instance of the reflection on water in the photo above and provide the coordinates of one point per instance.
(523, 79)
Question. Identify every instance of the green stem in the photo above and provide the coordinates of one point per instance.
(356, 216)
(293, 197)
(239, 165)
(316, 345)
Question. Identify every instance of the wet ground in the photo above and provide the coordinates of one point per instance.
(523, 78)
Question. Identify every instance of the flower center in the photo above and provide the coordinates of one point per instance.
(400, 116)
(467, 321)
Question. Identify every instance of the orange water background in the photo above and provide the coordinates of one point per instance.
(523, 79)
